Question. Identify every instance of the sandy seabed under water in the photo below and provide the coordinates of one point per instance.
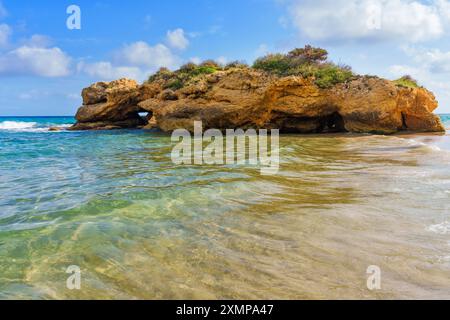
(140, 227)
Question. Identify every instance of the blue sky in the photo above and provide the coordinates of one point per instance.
(44, 65)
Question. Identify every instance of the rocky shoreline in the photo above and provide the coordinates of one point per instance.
(248, 98)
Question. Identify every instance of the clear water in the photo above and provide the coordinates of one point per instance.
(140, 227)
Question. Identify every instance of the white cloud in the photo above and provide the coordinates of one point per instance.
(434, 59)
(5, 32)
(444, 8)
(137, 61)
(38, 40)
(437, 61)
(373, 20)
(32, 57)
(106, 71)
(143, 55)
(400, 70)
(27, 60)
(177, 39)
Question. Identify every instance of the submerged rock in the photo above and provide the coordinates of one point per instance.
(247, 98)
(109, 125)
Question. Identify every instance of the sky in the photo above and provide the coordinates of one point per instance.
(45, 62)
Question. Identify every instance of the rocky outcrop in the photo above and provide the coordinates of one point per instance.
(112, 105)
(221, 100)
(246, 98)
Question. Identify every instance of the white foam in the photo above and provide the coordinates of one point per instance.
(64, 126)
(17, 125)
(415, 143)
(441, 228)
(428, 146)
(435, 148)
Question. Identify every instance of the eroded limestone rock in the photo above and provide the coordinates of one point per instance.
(246, 98)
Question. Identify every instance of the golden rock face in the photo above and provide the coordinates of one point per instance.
(246, 98)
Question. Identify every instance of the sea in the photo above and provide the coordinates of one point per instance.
(108, 215)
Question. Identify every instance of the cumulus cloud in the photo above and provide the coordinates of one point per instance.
(32, 57)
(400, 70)
(177, 39)
(370, 20)
(5, 32)
(142, 54)
(444, 9)
(106, 71)
(136, 60)
(38, 40)
(28, 60)
(435, 60)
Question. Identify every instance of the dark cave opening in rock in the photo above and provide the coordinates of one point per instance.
(145, 115)
(332, 123)
(148, 119)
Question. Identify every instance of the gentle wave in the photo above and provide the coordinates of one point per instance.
(441, 228)
(434, 146)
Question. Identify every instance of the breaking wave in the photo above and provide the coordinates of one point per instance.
(17, 125)
(22, 126)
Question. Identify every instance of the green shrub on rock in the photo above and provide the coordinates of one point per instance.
(161, 74)
(277, 64)
(307, 62)
(186, 74)
(407, 82)
(330, 75)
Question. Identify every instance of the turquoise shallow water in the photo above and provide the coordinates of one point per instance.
(139, 226)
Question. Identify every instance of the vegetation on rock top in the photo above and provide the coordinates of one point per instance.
(407, 82)
(190, 72)
(308, 62)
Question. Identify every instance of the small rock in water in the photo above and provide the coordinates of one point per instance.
(53, 129)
